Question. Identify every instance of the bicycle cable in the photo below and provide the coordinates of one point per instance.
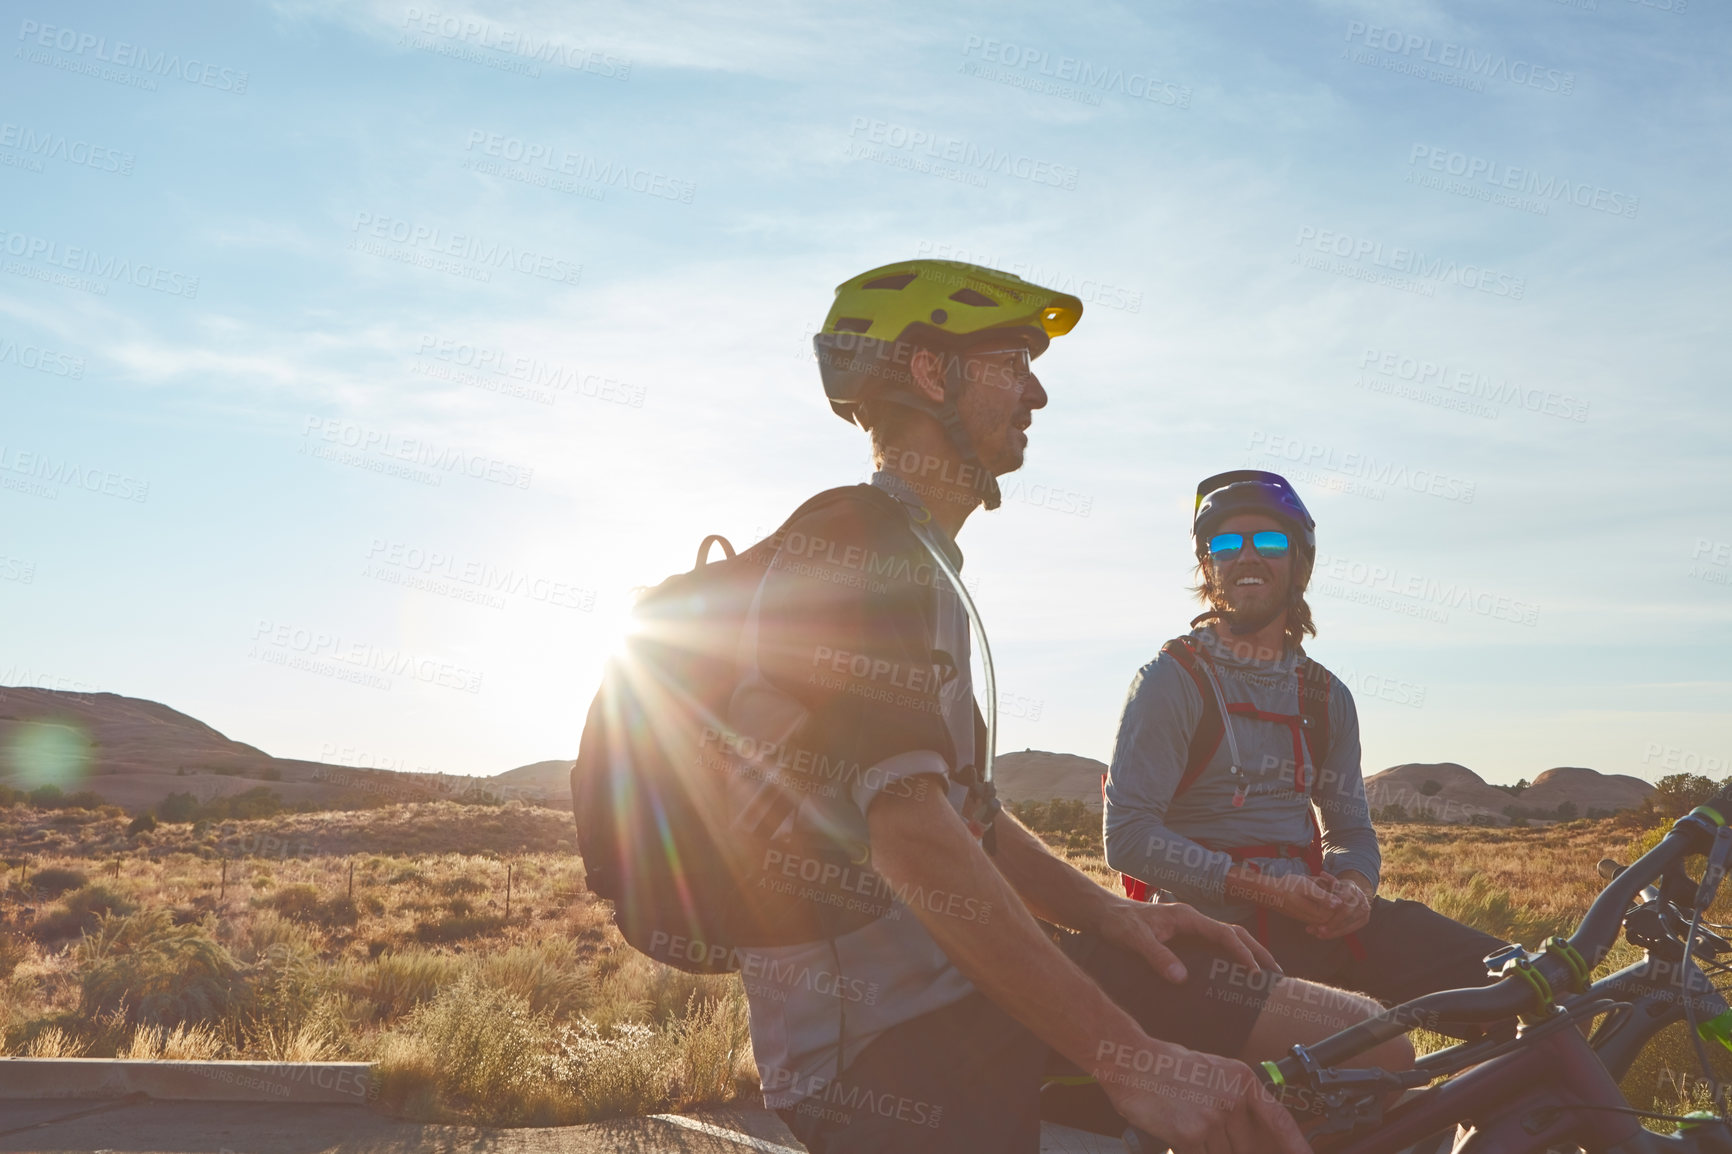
(1636, 1110)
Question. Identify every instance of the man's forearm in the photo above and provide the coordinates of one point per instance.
(1052, 888)
(921, 842)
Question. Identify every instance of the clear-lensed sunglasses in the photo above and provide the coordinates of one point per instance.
(1020, 352)
(1270, 543)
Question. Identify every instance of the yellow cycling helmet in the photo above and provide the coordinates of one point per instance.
(880, 316)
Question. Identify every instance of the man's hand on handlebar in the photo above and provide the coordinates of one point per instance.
(1199, 1103)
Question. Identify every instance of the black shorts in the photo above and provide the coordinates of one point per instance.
(1406, 950)
(967, 1077)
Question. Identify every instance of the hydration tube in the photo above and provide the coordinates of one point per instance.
(920, 517)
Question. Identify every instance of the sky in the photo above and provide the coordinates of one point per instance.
(358, 360)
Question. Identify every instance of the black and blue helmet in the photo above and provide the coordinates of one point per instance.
(1251, 491)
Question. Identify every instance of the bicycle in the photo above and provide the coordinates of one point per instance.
(1550, 1085)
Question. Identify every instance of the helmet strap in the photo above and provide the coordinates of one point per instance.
(951, 421)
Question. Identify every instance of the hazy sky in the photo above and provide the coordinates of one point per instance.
(359, 358)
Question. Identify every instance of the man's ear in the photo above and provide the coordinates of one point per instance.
(926, 369)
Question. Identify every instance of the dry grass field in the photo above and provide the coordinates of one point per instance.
(387, 935)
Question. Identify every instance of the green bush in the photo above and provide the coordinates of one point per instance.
(81, 911)
(143, 823)
(152, 971)
(177, 807)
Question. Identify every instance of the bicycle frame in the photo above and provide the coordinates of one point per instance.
(1561, 1089)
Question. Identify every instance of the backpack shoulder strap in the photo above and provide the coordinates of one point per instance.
(1314, 709)
(1206, 739)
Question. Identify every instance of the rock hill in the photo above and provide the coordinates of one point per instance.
(133, 753)
(1035, 775)
(1448, 792)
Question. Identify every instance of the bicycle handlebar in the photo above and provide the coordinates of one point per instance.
(1593, 939)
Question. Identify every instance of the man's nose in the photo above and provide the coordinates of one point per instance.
(1033, 394)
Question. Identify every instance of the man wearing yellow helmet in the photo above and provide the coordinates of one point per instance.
(929, 1028)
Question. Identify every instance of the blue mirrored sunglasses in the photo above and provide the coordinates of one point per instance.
(1269, 543)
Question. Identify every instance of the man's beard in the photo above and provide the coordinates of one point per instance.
(1242, 621)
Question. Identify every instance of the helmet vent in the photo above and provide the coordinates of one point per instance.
(894, 283)
(853, 324)
(968, 296)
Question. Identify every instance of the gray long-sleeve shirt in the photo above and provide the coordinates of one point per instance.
(1154, 836)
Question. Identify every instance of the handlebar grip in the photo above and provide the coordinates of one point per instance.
(1721, 804)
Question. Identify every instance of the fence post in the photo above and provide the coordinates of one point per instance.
(507, 891)
(223, 888)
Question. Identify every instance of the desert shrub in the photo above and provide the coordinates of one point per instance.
(197, 1042)
(300, 902)
(462, 884)
(14, 950)
(80, 912)
(1063, 823)
(177, 807)
(156, 971)
(395, 983)
(549, 976)
(83, 799)
(474, 1052)
(701, 1057)
(458, 927)
(56, 1042)
(143, 823)
(52, 882)
(47, 796)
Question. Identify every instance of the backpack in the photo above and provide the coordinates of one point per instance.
(1312, 721)
(684, 825)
